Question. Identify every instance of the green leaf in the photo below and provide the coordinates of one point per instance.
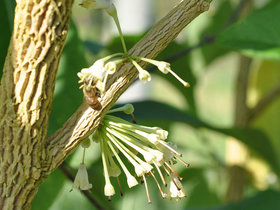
(257, 35)
(217, 21)
(202, 195)
(268, 199)
(255, 139)
(49, 191)
(93, 47)
(182, 67)
(68, 96)
(115, 45)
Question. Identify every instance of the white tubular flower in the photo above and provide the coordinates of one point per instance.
(164, 67)
(96, 4)
(109, 190)
(152, 154)
(162, 133)
(144, 76)
(176, 188)
(98, 70)
(84, 74)
(81, 180)
(158, 155)
(96, 75)
(111, 67)
(131, 181)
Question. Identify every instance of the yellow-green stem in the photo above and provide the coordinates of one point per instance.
(115, 17)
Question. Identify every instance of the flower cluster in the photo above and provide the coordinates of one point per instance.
(144, 147)
(97, 74)
(95, 77)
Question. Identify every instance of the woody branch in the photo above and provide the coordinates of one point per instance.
(85, 120)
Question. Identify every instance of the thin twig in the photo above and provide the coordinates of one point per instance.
(69, 175)
(264, 102)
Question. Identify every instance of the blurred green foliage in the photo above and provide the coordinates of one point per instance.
(196, 124)
(257, 35)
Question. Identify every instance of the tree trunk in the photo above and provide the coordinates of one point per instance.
(27, 87)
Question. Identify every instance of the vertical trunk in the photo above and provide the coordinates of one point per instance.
(26, 93)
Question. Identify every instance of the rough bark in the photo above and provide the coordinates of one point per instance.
(26, 91)
(27, 87)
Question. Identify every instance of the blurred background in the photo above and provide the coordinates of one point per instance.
(226, 124)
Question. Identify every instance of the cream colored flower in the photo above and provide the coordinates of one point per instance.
(164, 67)
(81, 180)
(176, 189)
(144, 147)
(97, 74)
(144, 75)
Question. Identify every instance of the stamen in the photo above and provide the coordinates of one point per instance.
(186, 84)
(163, 195)
(141, 180)
(182, 161)
(138, 168)
(133, 117)
(173, 171)
(127, 173)
(145, 165)
(160, 174)
(122, 123)
(166, 171)
(133, 144)
(139, 135)
(119, 186)
(170, 148)
(173, 180)
(147, 190)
